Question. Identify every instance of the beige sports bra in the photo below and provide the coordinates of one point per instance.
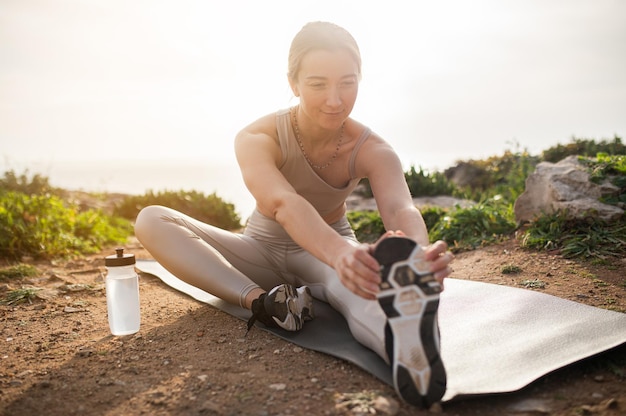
(294, 167)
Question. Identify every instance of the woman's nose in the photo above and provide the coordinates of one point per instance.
(334, 97)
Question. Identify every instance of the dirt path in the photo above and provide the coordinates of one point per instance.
(58, 358)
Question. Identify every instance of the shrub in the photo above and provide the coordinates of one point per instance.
(612, 168)
(37, 185)
(210, 209)
(43, 227)
(584, 147)
(422, 183)
(367, 225)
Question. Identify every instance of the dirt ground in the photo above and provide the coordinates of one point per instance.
(57, 356)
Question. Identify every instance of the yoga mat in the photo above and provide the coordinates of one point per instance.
(494, 339)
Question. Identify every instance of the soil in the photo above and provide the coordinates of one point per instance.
(57, 356)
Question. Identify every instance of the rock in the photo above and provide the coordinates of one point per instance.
(564, 186)
(465, 174)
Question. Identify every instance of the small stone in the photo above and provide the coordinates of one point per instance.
(278, 386)
(386, 406)
(297, 349)
(530, 406)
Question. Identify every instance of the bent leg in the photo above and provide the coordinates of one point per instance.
(217, 261)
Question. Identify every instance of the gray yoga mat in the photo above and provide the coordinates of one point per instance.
(494, 339)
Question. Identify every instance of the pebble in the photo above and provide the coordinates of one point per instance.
(278, 386)
(531, 406)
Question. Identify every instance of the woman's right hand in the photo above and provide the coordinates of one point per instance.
(358, 270)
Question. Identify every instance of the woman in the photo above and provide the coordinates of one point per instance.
(301, 164)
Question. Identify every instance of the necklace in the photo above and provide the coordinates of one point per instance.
(297, 131)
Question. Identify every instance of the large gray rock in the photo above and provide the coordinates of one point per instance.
(563, 186)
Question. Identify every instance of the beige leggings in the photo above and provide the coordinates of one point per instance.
(229, 265)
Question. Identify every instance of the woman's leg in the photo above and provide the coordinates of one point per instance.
(214, 260)
(365, 317)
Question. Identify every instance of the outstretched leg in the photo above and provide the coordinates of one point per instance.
(409, 297)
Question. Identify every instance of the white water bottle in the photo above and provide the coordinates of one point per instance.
(122, 292)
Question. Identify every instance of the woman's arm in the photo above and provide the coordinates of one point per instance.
(258, 154)
(381, 165)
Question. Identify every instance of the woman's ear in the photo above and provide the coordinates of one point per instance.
(294, 87)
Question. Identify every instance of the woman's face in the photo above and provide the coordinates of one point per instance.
(327, 85)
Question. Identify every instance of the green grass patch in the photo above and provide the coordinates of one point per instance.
(479, 225)
(589, 237)
(23, 295)
(18, 271)
(510, 269)
(533, 284)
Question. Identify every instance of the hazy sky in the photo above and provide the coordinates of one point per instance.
(442, 80)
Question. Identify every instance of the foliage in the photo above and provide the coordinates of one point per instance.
(44, 227)
(25, 294)
(18, 271)
(432, 215)
(510, 269)
(469, 228)
(589, 237)
(533, 284)
(607, 167)
(503, 175)
(584, 147)
(210, 209)
(422, 183)
(37, 185)
(367, 225)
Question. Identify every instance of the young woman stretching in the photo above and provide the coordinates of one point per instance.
(301, 164)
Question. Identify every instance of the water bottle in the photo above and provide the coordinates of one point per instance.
(122, 293)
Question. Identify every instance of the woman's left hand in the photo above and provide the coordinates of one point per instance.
(440, 258)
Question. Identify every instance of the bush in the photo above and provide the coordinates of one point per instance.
(210, 209)
(37, 185)
(469, 228)
(43, 227)
(367, 225)
(422, 183)
(584, 147)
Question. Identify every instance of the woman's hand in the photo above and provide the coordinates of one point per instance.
(440, 258)
(358, 270)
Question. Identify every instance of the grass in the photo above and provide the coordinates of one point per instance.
(533, 284)
(510, 269)
(23, 295)
(18, 271)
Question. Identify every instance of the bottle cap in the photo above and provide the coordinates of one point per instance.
(119, 259)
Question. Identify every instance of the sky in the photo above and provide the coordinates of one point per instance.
(447, 80)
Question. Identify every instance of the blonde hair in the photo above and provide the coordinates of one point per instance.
(320, 36)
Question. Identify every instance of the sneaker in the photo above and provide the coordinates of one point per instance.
(284, 306)
(409, 296)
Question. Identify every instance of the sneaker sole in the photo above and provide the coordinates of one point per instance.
(409, 297)
(299, 306)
